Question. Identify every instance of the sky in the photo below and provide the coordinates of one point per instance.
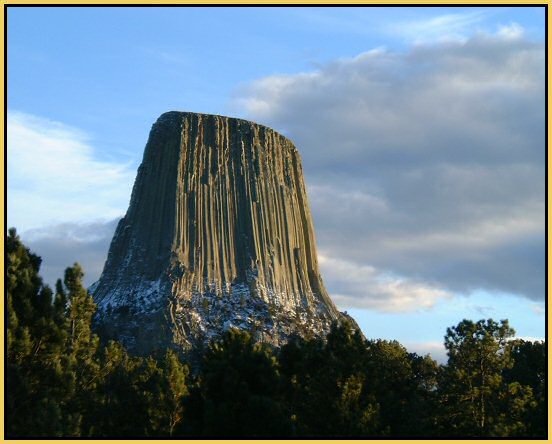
(421, 129)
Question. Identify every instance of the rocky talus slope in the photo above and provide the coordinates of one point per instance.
(218, 234)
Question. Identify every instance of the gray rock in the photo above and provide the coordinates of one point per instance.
(218, 233)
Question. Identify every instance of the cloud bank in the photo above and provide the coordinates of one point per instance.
(61, 245)
(351, 283)
(426, 165)
(425, 171)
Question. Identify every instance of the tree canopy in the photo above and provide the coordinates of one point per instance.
(62, 381)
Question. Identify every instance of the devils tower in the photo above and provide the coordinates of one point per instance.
(218, 234)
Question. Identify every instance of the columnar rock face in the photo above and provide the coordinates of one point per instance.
(218, 234)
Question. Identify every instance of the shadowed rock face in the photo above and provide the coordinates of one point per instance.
(218, 234)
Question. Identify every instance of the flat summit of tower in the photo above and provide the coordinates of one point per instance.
(218, 234)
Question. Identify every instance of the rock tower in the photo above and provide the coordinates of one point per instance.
(218, 234)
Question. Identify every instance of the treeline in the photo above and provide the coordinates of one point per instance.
(62, 381)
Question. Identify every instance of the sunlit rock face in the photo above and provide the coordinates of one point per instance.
(218, 234)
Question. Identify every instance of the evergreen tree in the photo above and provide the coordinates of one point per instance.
(37, 384)
(60, 304)
(529, 370)
(82, 345)
(476, 398)
(403, 384)
(327, 389)
(240, 383)
(61, 382)
(174, 390)
(123, 395)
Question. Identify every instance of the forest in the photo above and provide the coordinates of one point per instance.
(63, 380)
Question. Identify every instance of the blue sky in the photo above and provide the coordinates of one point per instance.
(421, 132)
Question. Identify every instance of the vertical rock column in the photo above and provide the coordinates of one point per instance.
(218, 211)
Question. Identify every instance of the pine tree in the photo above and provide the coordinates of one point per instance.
(36, 388)
(326, 386)
(240, 389)
(476, 398)
(401, 383)
(529, 370)
(82, 345)
(174, 390)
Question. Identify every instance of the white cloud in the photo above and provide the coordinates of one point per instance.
(538, 309)
(434, 348)
(54, 175)
(428, 163)
(363, 286)
(530, 338)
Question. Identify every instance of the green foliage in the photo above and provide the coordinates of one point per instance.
(347, 386)
(174, 390)
(476, 398)
(327, 387)
(38, 379)
(403, 383)
(529, 370)
(239, 389)
(62, 383)
(134, 386)
(125, 385)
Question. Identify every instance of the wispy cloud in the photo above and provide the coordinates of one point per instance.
(538, 309)
(54, 175)
(440, 28)
(168, 56)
